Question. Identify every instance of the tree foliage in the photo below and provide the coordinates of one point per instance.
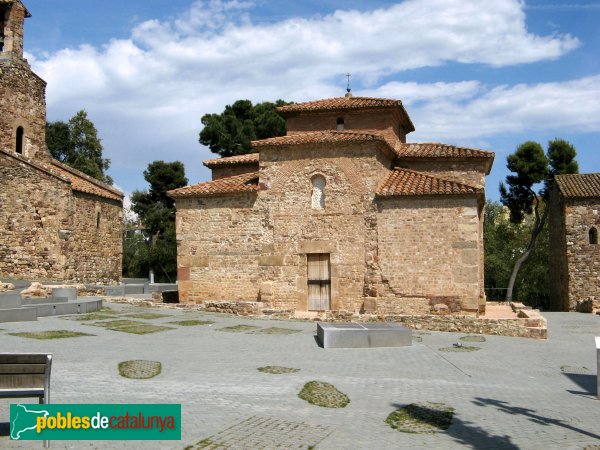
(77, 144)
(530, 168)
(156, 213)
(231, 132)
(504, 241)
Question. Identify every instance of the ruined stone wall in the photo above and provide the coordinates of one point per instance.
(23, 104)
(467, 172)
(95, 241)
(235, 169)
(559, 281)
(219, 241)
(583, 258)
(359, 120)
(34, 207)
(430, 246)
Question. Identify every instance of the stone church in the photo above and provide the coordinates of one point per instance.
(338, 215)
(574, 223)
(57, 223)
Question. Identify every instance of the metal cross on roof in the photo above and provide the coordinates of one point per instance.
(348, 85)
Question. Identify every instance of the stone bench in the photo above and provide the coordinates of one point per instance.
(363, 334)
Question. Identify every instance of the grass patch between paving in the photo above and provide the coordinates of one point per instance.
(473, 339)
(461, 349)
(52, 334)
(191, 323)
(421, 418)
(139, 369)
(239, 328)
(277, 370)
(323, 394)
(276, 330)
(131, 326)
(90, 316)
(147, 315)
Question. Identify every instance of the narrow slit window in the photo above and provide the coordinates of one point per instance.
(98, 219)
(593, 236)
(318, 192)
(19, 142)
(340, 123)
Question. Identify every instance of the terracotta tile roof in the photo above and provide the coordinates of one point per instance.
(84, 183)
(248, 158)
(319, 137)
(409, 182)
(437, 150)
(347, 104)
(78, 180)
(237, 184)
(583, 185)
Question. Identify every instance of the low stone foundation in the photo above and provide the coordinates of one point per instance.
(529, 323)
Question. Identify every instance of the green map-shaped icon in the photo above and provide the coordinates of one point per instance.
(23, 419)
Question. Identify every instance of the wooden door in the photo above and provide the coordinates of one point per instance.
(319, 282)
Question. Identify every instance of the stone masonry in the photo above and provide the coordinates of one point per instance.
(59, 224)
(574, 223)
(398, 225)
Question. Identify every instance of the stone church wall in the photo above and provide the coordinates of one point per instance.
(22, 104)
(431, 246)
(34, 207)
(234, 169)
(583, 258)
(96, 241)
(559, 282)
(219, 241)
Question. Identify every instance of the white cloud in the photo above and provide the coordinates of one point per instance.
(471, 110)
(146, 94)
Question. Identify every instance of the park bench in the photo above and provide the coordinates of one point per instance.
(25, 375)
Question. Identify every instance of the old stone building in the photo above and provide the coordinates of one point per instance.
(574, 223)
(341, 215)
(57, 223)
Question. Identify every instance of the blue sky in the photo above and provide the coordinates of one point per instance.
(486, 74)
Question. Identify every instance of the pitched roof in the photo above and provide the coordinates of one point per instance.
(237, 184)
(319, 137)
(249, 158)
(350, 103)
(583, 185)
(84, 183)
(405, 182)
(437, 150)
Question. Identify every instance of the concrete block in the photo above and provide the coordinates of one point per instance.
(68, 293)
(114, 290)
(10, 300)
(363, 335)
(26, 314)
(134, 289)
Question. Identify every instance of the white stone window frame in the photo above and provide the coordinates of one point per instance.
(318, 183)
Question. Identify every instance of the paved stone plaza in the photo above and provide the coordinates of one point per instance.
(512, 393)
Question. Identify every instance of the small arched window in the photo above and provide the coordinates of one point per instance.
(19, 140)
(593, 235)
(318, 192)
(340, 124)
(98, 219)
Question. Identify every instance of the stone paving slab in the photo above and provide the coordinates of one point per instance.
(509, 394)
